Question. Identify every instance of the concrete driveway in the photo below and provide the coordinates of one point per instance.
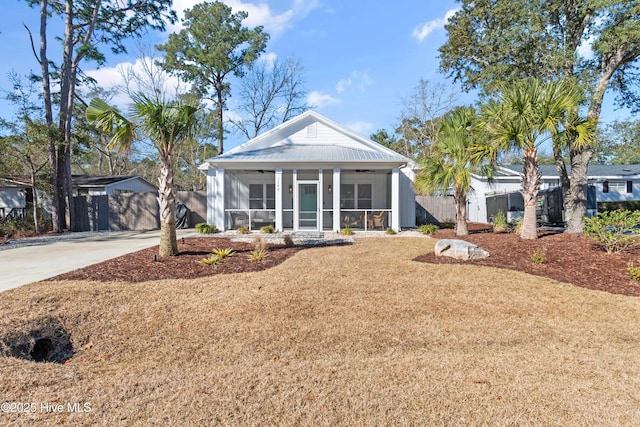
(28, 264)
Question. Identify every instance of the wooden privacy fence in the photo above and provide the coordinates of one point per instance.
(133, 211)
(435, 209)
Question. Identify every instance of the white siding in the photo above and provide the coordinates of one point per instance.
(137, 185)
(12, 198)
(407, 199)
(615, 195)
(476, 198)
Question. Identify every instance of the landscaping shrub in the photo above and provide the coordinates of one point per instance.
(243, 230)
(613, 229)
(634, 272)
(223, 253)
(390, 231)
(517, 227)
(346, 231)
(258, 255)
(211, 260)
(268, 229)
(204, 228)
(429, 229)
(539, 256)
(500, 224)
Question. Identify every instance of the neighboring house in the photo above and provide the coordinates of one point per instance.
(93, 185)
(13, 198)
(612, 183)
(310, 174)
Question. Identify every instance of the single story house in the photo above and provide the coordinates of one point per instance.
(310, 174)
(612, 183)
(94, 185)
(13, 197)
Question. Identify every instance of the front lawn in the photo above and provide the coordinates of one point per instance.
(344, 335)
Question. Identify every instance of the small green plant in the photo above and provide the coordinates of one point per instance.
(500, 224)
(223, 253)
(243, 230)
(634, 272)
(613, 230)
(204, 228)
(346, 231)
(268, 229)
(258, 255)
(429, 229)
(390, 231)
(539, 256)
(211, 260)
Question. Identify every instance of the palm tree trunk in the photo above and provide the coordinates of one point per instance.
(460, 201)
(167, 204)
(530, 188)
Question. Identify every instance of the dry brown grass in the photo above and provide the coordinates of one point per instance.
(349, 335)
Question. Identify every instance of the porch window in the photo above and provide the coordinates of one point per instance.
(262, 196)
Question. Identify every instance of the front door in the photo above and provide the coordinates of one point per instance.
(308, 206)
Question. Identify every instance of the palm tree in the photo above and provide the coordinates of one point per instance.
(167, 125)
(450, 164)
(526, 114)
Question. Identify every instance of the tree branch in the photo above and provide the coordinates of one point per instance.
(33, 46)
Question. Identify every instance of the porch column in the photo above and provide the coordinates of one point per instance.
(295, 200)
(278, 183)
(219, 215)
(320, 201)
(336, 199)
(211, 195)
(395, 199)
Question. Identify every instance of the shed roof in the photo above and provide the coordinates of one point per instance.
(101, 181)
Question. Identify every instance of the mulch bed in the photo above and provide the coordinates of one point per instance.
(568, 258)
(140, 266)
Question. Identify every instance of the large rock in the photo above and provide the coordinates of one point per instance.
(459, 249)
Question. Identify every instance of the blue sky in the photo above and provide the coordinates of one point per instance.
(360, 57)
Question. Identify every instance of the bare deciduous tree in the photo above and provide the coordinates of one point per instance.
(271, 94)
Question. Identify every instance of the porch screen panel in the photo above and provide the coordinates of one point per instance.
(347, 196)
(270, 196)
(255, 196)
(262, 196)
(364, 196)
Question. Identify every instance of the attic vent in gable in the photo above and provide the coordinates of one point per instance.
(312, 130)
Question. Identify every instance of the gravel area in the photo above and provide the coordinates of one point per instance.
(277, 238)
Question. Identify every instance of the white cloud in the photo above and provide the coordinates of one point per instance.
(357, 79)
(319, 99)
(113, 77)
(422, 31)
(259, 13)
(268, 59)
(360, 127)
(343, 84)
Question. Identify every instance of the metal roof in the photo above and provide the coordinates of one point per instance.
(310, 153)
